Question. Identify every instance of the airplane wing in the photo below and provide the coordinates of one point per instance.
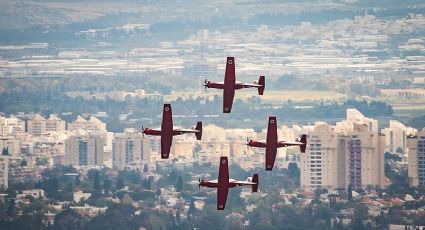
(223, 183)
(228, 95)
(271, 143)
(229, 85)
(166, 131)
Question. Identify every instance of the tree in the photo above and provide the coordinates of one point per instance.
(293, 170)
(107, 185)
(68, 219)
(178, 218)
(179, 184)
(192, 208)
(69, 187)
(11, 209)
(173, 175)
(77, 181)
(33, 221)
(350, 193)
(5, 151)
(117, 216)
(147, 183)
(38, 185)
(399, 150)
(127, 199)
(360, 214)
(96, 182)
(51, 186)
(130, 176)
(120, 184)
(41, 161)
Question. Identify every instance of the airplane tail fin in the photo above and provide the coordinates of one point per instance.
(304, 141)
(199, 128)
(255, 180)
(262, 82)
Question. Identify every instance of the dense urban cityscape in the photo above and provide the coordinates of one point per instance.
(81, 80)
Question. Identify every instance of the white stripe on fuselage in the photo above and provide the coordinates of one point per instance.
(232, 181)
(187, 130)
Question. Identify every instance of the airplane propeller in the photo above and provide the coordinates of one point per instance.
(247, 143)
(143, 132)
(205, 84)
(199, 184)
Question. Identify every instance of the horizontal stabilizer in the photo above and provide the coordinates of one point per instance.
(304, 141)
(199, 128)
(255, 180)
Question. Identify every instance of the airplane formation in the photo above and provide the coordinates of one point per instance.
(271, 144)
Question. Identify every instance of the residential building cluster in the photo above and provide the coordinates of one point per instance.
(349, 153)
(340, 157)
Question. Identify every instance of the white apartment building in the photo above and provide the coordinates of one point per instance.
(319, 165)
(11, 125)
(34, 193)
(356, 117)
(39, 125)
(92, 124)
(55, 124)
(350, 153)
(396, 136)
(84, 148)
(130, 147)
(183, 147)
(416, 159)
(80, 195)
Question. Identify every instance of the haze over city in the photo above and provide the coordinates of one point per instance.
(137, 114)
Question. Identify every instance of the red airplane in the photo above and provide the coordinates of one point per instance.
(167, 131)
(230, 85)
(224, 183)
(271, 144)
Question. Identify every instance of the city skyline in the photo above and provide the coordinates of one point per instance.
(339, 84)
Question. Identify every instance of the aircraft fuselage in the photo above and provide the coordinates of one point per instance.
(214, 184)
(156, 132)
(238, 85)
(280, 144)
